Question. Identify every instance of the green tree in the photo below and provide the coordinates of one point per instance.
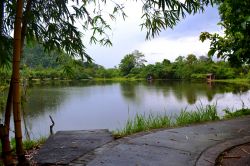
(234, 46)
(191, 59)
(35, 57)
(130, 61)
(127, 64)
(166, 62)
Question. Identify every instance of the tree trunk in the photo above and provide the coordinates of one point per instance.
(16, 87)
(23, 35)
(6, 149)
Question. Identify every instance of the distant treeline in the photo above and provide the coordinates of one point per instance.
(36, 64)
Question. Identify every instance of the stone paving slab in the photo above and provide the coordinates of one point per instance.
(179, 146)
(65, 146)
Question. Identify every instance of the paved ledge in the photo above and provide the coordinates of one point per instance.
(65, 146)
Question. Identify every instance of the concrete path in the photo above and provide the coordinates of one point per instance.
(193, 145)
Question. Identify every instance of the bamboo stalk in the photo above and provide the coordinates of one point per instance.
(16, 83)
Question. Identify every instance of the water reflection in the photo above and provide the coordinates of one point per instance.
(128, 90)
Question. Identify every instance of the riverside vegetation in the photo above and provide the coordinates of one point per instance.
(201, 114)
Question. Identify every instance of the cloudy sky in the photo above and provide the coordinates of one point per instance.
(127, 36)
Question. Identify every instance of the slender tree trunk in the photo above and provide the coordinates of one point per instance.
(23, 35)
(6, 149)
(16, 86)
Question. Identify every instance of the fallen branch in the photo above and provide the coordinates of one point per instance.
(51, 126)
(229, 157)
(209, 161)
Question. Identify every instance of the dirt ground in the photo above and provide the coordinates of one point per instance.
(237, 156)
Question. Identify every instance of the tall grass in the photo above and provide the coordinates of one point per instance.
(143, 123)
(147, 122)
(201, 114)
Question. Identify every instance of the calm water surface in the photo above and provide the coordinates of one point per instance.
(97, 105)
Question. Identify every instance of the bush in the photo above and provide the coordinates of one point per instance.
(198, 76)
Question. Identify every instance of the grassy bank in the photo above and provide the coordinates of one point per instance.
(201, 114)
(241, 81)
(118, 79)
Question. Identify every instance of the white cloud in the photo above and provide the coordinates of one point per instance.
(164, 48)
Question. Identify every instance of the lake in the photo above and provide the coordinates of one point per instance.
(81, 105)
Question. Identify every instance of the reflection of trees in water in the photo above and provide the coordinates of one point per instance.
(67, 83)
(135, 90)
(43, 99)
(27, 128)
(47, 95)
(182, 90)
(128, 90)
(194, 91)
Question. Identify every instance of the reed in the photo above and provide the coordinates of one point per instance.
(201, 114)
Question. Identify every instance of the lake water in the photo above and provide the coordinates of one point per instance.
(105, 104)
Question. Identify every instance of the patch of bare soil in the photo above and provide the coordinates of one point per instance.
(237, 156)
(30, 155)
